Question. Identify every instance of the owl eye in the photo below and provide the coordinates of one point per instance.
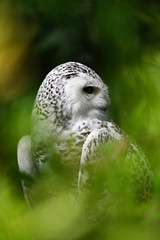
(88, 89)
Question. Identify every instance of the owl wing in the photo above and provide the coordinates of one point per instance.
(135, 161)
(26, 166)
(89, 154)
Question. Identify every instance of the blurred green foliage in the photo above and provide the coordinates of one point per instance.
(120, 40)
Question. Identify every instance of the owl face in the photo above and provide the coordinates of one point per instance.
(87, 97)
(69, 93)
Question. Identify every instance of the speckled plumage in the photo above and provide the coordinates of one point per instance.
(75, 123)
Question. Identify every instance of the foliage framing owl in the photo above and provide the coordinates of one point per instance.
(70, 116)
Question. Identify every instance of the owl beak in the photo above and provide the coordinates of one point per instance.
(103, 108)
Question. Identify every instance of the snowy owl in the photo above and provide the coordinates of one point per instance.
(70, 116)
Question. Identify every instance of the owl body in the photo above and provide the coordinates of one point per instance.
(70, 116)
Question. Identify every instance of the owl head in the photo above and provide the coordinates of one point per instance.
(69, 93)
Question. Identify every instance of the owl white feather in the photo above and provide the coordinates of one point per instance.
(70, 116)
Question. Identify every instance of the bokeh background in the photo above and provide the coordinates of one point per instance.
(120, 40)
